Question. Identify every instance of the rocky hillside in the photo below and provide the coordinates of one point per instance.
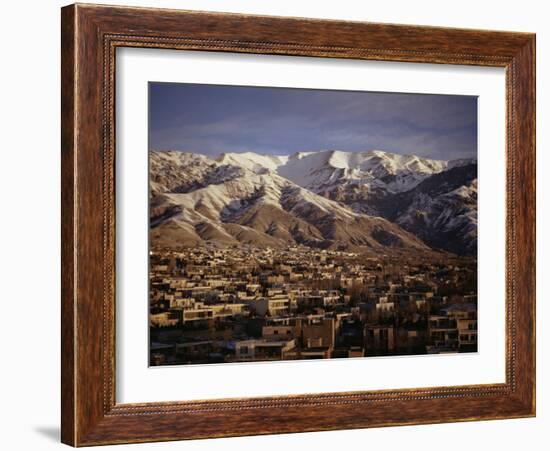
(329, 199)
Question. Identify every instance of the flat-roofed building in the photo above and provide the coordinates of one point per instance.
(164, 319)
(273, 306)
(261, 349)
(278, 332)
(467, 334)
(317, 332)
(442, 333)
(379, 339)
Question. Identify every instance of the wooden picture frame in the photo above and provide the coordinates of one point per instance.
(90, 36)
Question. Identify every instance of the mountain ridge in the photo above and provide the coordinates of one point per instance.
(328, 199)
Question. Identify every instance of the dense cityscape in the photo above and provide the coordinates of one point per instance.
(242, 304)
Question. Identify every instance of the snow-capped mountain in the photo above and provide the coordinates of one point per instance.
(361, 179)
(253, 161)
(327, 170)
(224, 201)
(441, 210)
(322, 199)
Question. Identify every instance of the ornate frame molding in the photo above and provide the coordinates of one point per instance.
(91, 35)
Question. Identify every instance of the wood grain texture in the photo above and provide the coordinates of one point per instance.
(68, 313)
(90, 36)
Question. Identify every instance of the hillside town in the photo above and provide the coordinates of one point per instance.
(242, 304)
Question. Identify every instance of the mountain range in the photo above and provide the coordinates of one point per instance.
(373, 201)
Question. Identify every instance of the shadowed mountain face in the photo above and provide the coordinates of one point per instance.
(441, 210)
(374, 201)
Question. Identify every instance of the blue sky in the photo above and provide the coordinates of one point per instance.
(211, 119)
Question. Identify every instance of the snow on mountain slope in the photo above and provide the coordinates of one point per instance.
(326, 170)
(240, 198)
(181, 172)
(317, 171)
(253, 161)
(442, 210)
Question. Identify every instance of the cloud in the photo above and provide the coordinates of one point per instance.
(214, 119)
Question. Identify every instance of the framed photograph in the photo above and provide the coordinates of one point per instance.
(278, 225)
